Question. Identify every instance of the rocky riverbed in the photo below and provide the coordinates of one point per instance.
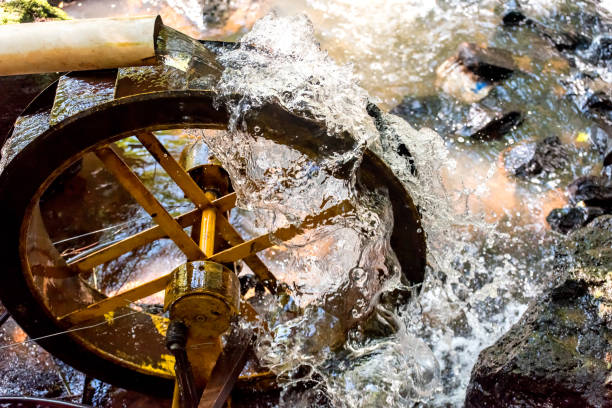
(560, 353)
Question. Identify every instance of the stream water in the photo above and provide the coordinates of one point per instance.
(490, 250)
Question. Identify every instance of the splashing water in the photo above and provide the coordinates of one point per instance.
(350, 258)
(282, 184)
(291, 71)
(480, 277)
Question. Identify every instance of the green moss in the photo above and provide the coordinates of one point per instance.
(28, 11)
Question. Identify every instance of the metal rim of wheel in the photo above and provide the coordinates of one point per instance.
(105, 351)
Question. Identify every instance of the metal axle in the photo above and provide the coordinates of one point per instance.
(203, 298)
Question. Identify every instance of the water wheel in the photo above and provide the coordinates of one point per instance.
(75, 126)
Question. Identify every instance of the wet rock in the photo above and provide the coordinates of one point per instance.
(563, 40)
(471, 73)
(601, 137)
(530, 159)
(590, 197)
(554, 357)
(492, 64)
(591, 94)
(560, 353)
(588, 258)
(512, 14)
(484, 124)
(439, 112)
(456, 80)
(551, 155)
(567, 219)
(593, 191)
(600, 49)
(599, 101)
(384, 128)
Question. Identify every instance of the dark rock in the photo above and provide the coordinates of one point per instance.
(599, 100)
(470, 74)
(600, 49)
(493, 64)
(484, 124)
(551, 154)
(589, 259)
(560, 353)
(538, 362)
(591, 196)
(594, 191)
(564, 220)
(564, 40)
(567, 40)
(439, 112)
(527, 160)
(499, 126)
(592, 95)
(512, 14)
(567, 219)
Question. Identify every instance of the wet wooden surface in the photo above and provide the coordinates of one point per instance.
(17, 92)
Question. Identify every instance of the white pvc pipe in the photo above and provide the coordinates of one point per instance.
(77, 45)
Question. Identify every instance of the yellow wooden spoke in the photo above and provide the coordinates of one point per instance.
(123, 299)
(262, 242)
(174, 169)
(195, 194)
(115, 250)
(130, 181)
(235, 253)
